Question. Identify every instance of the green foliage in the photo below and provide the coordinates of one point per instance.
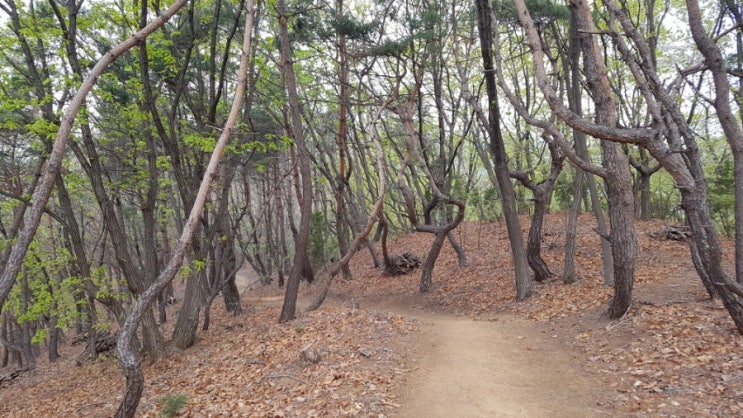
(50, 291)
(390, 48)
(351, 28)
(722, 196)
(199, 265)
(173, 403)
(312, 25)
(203, 143)
(485, 203)
(565, 189)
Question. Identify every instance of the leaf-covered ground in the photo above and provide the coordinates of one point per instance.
(674, 354)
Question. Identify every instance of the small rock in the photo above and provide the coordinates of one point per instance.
(309, 354)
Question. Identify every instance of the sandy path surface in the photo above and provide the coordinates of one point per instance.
(508, 367)
(503, 368)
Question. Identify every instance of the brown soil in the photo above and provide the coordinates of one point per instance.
(503, 368)
(463, 350)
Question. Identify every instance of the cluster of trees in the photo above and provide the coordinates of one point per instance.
(137, 135)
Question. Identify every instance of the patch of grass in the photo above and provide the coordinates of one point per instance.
(172, 404)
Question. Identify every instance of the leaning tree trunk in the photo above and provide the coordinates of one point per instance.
(128, 360)
(302, 266)
(731, 126)
(524, 286)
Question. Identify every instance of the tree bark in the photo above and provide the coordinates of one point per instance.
(542, 195)
(43, 192)
(524, 286)
(127, 358)
(618, 180)
(730, 124)
(301, 267)
(571, 224)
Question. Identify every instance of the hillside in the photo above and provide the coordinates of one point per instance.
(674, 354)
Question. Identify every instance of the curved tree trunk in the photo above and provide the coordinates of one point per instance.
(542, 195)
(524, 286)
(534, 242)
(302, 266)
(127, 357)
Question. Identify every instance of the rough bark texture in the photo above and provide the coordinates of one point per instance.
(128, 360)
(542, 195)
(302, 266)
(524, 286)
(728, 121)
(618, 180)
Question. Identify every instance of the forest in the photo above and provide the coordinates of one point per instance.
(146, 146)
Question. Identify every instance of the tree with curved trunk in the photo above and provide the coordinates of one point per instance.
(128, 360)
(441, 232)
(329, 272)
(730, 124)
(542, 195)
(51, 170)
(304, 189)
(666, 139)
(616, 173)
(524, 286)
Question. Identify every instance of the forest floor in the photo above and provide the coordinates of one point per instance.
(465, 349)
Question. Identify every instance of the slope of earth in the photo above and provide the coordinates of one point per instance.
(381, 343)
(248, 366)
(676, 353)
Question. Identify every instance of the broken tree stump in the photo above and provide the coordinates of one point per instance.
(672, 232)
(402, 264)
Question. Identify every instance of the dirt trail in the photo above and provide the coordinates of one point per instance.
(504, 368)
(508, 367)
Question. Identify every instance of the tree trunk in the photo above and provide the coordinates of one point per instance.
(343, 176)
(581, 149)
(302, 266)
(534, 241)
(730, 124)
(621, 216)
(184, 332)
(568, 272)
(127, 358)
(618, 179)
(524, 287)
